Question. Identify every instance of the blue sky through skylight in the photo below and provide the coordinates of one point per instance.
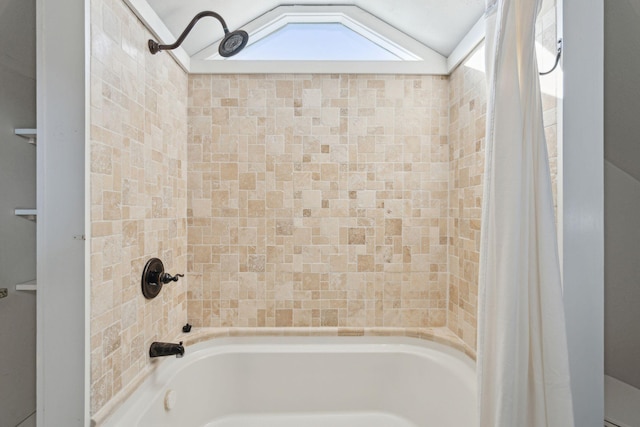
(315, 42)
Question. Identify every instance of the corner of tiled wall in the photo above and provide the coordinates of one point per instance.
(138, 197)
(467, 115)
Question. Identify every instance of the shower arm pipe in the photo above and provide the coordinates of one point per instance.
(155, 47)
(558, 55)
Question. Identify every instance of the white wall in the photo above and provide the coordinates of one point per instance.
(17, 190)
(581, 208)
(622, 190)
(62, 382)
(622, 88)
(622, 275)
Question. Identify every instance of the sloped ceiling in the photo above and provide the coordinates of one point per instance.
(622, 85)
(438, 24)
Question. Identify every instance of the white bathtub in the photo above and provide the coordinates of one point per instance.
(307, 381)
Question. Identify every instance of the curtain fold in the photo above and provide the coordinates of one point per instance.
(523, 369)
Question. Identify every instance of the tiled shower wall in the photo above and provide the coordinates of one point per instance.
(467, 115)
(138, 182)
(318, 200)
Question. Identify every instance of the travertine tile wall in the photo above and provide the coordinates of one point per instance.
(318, 200)
(467, 118)
(138, 197)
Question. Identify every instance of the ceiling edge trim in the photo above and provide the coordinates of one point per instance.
(319, 67)
(156, 26)
(469, 42)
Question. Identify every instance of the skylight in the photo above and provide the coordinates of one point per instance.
(317, 41)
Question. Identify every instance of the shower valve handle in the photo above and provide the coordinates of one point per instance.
(154, 276)
(166, 278)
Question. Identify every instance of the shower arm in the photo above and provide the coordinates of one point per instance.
(558, 55)
(155, 47)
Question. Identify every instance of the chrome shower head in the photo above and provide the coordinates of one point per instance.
(232, 43)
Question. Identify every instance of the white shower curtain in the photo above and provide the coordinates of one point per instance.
(523, 369)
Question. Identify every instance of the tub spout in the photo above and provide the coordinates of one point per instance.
(160, 349)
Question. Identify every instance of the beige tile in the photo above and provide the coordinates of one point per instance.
(138, 201)
(356, 236)
(284, 317)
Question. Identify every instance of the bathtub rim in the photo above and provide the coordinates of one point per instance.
(285, 345)
(436, 338)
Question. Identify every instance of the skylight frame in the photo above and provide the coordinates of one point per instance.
(416, 58)
(310, 17)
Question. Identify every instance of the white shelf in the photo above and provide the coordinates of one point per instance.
(27, 286)
(30, 214)
(26, 212)
(29, 134)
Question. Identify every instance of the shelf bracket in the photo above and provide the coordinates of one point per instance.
(29, 134)
(30, 214)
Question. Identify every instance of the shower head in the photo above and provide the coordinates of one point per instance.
(232, 43)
